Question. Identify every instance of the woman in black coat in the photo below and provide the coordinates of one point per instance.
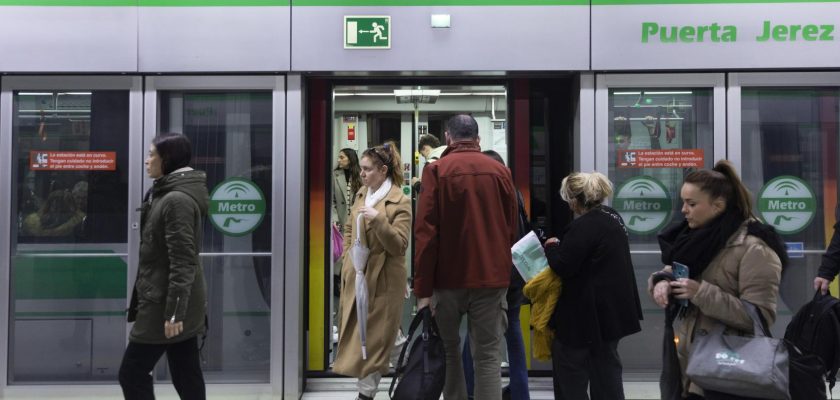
(600, 303)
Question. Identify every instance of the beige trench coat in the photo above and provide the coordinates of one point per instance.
(746, 268)
(387, 238)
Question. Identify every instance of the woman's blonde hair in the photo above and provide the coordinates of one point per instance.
(587, 189)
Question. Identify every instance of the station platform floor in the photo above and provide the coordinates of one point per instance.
(317, 389)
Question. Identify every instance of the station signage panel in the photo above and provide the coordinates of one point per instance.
(677, 34)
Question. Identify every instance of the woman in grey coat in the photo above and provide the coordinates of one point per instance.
(169, 302)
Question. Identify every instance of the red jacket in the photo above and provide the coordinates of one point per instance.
(465, 222)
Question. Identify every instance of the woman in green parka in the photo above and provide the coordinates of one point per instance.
(169, 301)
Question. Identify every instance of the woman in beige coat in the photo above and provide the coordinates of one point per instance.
(731, 257)
(385, 226)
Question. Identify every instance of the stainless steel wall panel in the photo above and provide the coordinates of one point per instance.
(490, 38)
(214, 39)
(68, 39)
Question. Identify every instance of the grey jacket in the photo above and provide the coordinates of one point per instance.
(170, 279)
(340, 197)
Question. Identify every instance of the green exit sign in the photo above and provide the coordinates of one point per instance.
(367, 32)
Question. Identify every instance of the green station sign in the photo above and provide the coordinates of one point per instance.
(787, 203)
(367, 32)
(644, 204)
(237, 207)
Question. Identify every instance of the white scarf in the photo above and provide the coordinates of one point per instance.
(373, 197)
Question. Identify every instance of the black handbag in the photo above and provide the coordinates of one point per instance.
(423, 374)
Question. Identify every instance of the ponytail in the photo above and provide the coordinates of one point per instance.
(388, 156)
(394, 170)
(741, 196)
(723, 181)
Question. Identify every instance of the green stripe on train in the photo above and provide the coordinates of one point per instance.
(39, 278)
(670, 2)
(426, 3)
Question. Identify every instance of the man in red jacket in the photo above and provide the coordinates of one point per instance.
(465, 225)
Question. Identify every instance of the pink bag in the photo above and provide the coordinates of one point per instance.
(337, 242)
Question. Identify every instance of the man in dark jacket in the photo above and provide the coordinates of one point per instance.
(465, 225)
(831, 259)
(169, 301)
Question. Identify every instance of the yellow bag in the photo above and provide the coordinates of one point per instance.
(543, 291)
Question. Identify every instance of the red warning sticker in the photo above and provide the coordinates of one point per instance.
(672, 158)
(73, 160)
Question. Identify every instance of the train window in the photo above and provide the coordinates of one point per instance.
(656, 136)
(69, 235)
(231, 136)
(789, 157)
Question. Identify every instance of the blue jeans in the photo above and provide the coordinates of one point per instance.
(518, 369)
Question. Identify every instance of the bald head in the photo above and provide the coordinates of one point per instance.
(461, 127)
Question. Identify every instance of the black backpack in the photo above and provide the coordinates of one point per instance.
(813, 339)
(423, 375)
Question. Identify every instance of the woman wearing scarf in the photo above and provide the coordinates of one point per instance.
(730, 255)
(375, 239)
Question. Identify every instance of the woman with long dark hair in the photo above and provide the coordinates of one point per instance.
(731, 257)
(346, 182)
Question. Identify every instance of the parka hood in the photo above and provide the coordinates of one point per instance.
(191, 182)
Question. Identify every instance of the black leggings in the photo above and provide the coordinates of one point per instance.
(184, 366)
(718, 396)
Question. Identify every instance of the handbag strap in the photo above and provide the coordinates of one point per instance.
(421, 316)
(759, 324)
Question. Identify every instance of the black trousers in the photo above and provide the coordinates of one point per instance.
(719, 396)
(184, 366)
(595, 368)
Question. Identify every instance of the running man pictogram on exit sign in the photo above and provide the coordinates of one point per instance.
(367, 32)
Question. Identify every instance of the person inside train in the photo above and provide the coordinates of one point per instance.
(430, 148)
(373, 288)
(58, 216)
(346, 182)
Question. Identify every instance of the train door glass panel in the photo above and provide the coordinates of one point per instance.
(653, 135)
(231, 135)
(69, 234)
(789, 139)
(367, 116)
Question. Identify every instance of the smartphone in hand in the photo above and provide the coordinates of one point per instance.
(680, 271)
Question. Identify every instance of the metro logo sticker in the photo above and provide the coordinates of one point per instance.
(787, 203)
(644, 204)
(237, 207)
